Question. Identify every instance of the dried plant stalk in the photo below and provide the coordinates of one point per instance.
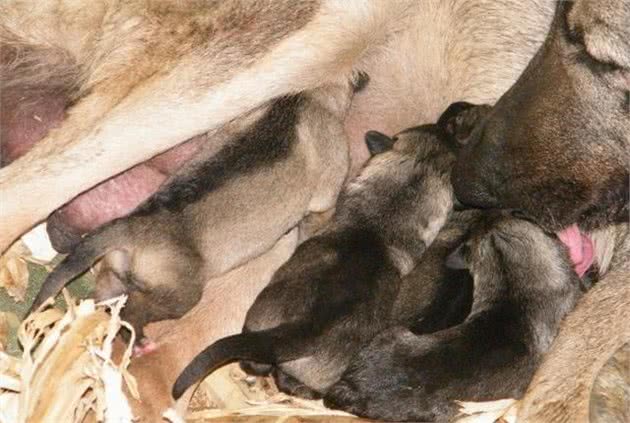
(66, 370)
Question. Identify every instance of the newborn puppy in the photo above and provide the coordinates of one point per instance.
(221, 210)
(339, 288)
(524, 285)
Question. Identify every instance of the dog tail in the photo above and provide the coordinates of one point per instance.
(89, 250)
(277, 345)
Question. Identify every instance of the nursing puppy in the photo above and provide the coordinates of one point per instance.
(207, 220)
(430, 298)
(524, 285)
(339, 288)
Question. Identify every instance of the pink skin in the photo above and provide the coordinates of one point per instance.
(580, 248)
(27, 119)
(24, 120)
(145, 347)
(95, 207)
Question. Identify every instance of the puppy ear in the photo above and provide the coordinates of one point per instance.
(378, 142)
(457, 260)
(458, 121)
(452, 111)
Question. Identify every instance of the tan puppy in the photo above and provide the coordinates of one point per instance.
(206, 219)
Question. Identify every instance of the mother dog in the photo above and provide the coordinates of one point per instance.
(147, 75)
(557, 147)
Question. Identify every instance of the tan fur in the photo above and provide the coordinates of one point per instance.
(221, 312)
(134, 65)
(447, 52)
(171, 255)
(148, 60)
(610, 396)
(590, 335)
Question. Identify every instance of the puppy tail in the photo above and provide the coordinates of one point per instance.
(90, 249)
(266, 346)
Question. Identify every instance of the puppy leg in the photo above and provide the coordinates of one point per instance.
(291, 386)
(590, 335)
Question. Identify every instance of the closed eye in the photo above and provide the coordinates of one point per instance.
(596, 66)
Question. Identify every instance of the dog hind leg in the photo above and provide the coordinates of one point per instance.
(142, 107)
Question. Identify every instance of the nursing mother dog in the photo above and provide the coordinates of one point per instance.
(557, 148)
(140, 77)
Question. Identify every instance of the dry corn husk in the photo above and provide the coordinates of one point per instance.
(14, 270)
(66, 370)
(503, 411)
(40, 249)
(229, 395)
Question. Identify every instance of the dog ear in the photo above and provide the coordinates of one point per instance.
(457, 259)
(605, 29)
(378, 142)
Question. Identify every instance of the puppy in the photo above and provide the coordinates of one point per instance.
(524, 285)
(206, 220)
(341, 287)
(430, 298)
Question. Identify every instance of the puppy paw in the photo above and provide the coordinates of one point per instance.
(143, 347)
(291, 386)
(344, 396)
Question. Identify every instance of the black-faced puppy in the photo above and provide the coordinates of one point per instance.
(279, 163)
(524, 285)
(339, 288)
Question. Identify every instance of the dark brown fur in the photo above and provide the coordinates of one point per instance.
(524, 286)
(343, 286)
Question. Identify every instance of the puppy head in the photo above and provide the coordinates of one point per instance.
(404, 156)
(404, 190)
(557, 144)
(505, 248)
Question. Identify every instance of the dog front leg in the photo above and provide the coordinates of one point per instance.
(561, 388)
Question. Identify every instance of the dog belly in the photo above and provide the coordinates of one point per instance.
(28, 117)
(404, 90)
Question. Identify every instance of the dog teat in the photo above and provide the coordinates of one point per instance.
(580, 248)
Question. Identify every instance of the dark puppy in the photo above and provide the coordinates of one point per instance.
(431, 297)
(340, 287)
(524, 286)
